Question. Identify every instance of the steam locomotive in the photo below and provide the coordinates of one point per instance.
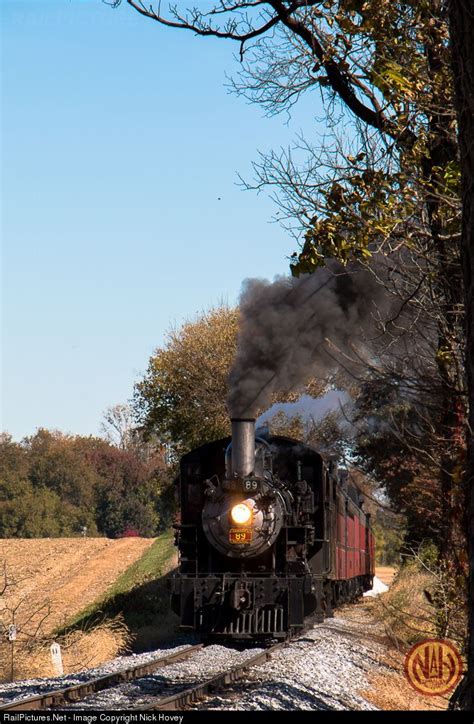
(270, 532)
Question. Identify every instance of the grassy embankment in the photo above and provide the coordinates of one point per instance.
(139, 597)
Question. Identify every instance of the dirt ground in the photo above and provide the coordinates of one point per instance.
(63, 575)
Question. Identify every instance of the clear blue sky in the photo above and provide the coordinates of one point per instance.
(118, 140)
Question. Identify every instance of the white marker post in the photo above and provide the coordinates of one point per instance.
(57, 659)
(12, 638)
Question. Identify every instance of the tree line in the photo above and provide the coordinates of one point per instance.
(52, 484)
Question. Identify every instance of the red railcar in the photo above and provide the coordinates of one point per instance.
(353, 540)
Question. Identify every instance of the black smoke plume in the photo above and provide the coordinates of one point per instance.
(290, 328)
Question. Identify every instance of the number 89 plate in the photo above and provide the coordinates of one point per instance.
(240, 535)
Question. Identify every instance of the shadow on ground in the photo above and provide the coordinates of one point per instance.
(145, 611)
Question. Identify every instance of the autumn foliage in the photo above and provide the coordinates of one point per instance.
(53, 484)
(182, 396)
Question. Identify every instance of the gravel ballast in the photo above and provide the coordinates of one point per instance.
(10, 692)
(325, 669)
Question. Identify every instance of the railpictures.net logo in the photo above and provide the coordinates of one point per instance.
(433, 667)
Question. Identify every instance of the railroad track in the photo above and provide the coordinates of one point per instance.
(193, 694)
(73, 694)
(186, 696)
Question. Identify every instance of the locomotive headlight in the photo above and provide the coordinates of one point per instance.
(241, 514)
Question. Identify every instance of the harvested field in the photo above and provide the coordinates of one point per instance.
(385, 573)
(64, 574)
(48, 582)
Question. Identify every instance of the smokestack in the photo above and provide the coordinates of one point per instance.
(243, 447)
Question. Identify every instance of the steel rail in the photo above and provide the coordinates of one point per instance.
(59, 697)
(184, 698)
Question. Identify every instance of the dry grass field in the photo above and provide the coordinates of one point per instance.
(64, 574)
(48, 582)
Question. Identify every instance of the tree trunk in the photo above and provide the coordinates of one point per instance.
(461, 18)
(443, 151)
